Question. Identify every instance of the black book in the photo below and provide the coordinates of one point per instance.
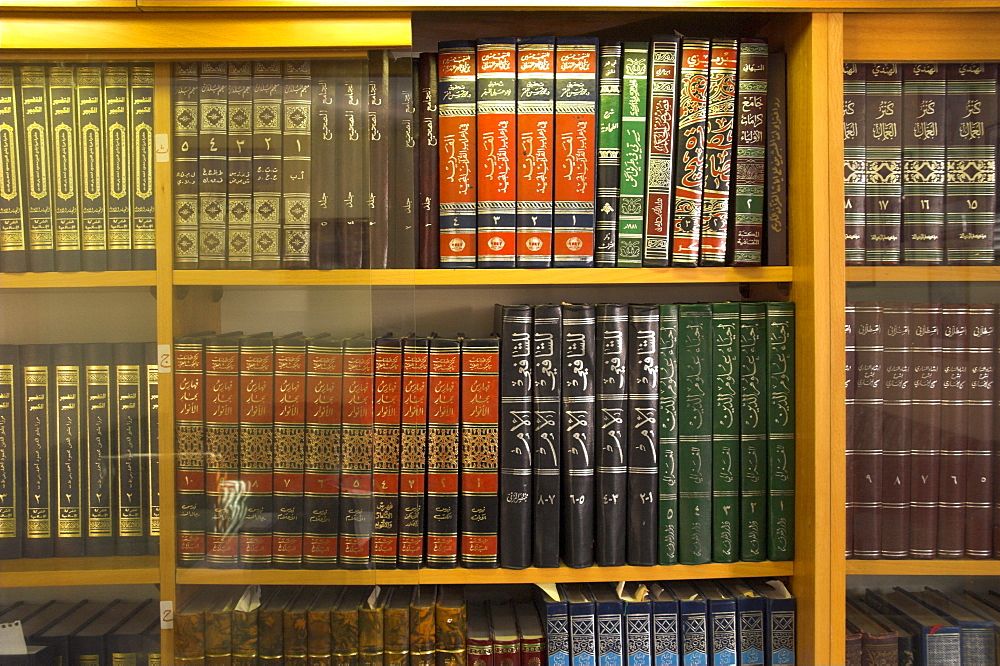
(546, 348)
(513, 325)
(96, 430)
(402, 161)
(70, 478)
(296, 164)
(118, 167)
(141, 190)
(57, 636)
(239, 162)
(12, 474)
(428, 232)
(151, 650)
(321, 504)
(124, 643)
(127, 450)
(13, 255)
(612, 440)
(643, 433)
(351, 190)
(150, 447)
(322, 223)
(40, 617)
(379, 132)
(39, 391)
(89, 644)
(93, 215)
(65, 177)
(185, 165)
(35, 119)
(776, 180)
(256, 449)
(213, 167)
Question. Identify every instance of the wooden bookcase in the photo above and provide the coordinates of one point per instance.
(817, 35)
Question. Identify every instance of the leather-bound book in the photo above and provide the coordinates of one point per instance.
(413, 453)
(319, 646)
(149, 445)
(70, 477)
(609, 154)
(351, 190)
(546, 348)
(980, 447)
(346, 624)
(869, 384)
(403, 163)
(124, 643)
(385, 463)
(503, 626)
(289, 450)
(667, 446)
(553, 613)
(189, 435)
(219, 628)
(582, 623)
(130, 539)
(694, 427)
(478, 644)
(879, 643)
(776, 188)
(371, 629)
(185, 173)
(267, 164)
(852, 646)
(753, 432)
(270, 622)
(443, 410)
(12, 479)
(422, 625)
(780, 430)
(897, 416)
(296, 163)
(428, 205)
(38, 403)
(643, 433)
(632, 173)
(357, 449)
(855, 128)
(850, 357)
(239, 162)
(750, 146)
(118, 166)
(450, 629)
(883, 163)
(531, 636)
(57, 636)
(36, 122)
(245, 638)
(295, 631)
(13, 249)
(924, 175)
(378, 149)
(256, 449)
(611, 472)
(956, 341)
(725, 432)
(65, 170)
(637, 614)
(89, 644)
(321, 479)
(213, 167)
(324, 159)
(140, 90)
(396, 626)
(665, 53)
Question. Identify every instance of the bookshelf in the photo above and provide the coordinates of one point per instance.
(817, 35)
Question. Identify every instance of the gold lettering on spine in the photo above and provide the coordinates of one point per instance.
(8, 162)
(117, 143)
(143, 151)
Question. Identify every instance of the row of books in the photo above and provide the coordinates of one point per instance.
(77, 153)
(82, 632)
(922, 430)
(923, 627)
(920, 153)
(79, 465)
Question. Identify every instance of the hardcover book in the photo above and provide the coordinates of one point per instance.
(256, 449)
(725, 432)
(896, 419)
(643, 434)
(753, 432)
(386, 455)
(402, 164)
(36, 122)
(776, 188)
(118, 167)
(611, 477)
(324, 207)
(221, 447)
(855, 178)
(750, 148)
(632, 172)
(450, 629)
(213, 167)
(868, 391)
(780, 430)
(923, 128)
(546, 347)
(296, 163)
(609, 620)
(12, 480)
(582, 624)
(67, 361)
(956, 390)
(694, 401)
(428, 203)
(38, 404)
(667, 443)
(239, 164)
(396, 629)
(189, 439)
(457, 153)
(665, 619)
(184, 151)
(478, 644)
(141, 183)
(665, 53)
(413, 453)
(267, 164)
(290, 359)
(422, 625)
(443, 414)
(65, 174)
(609, 151)
(377, 149)
(13, 246)
(883, 163)
(130, 539)
(356, 516)
(638, 624)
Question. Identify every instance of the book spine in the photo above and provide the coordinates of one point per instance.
(457, 153)
(218, 636)
(319, 632)
(667, 453)
(289, 451)
(850, 384)
(780, 632)
(780, 430)
(555, 615)
(239, 164)
(722, 630)
(67, 360)
(925, 433)
(611, 478)
(295, 631)
(353, 189)
(379, 131)
(189, 441)
(855, 171)
(150, 420)
(37, 164)
(666, 633)
(129, 369)
(632, 173)
(610, 635)
(496, 185)
(478, 645)
(535, 137)
(692, 111)
(694, 631)
(725, 432)
(371, 634)
(12, 478)
(245, 638)
(184, 153)
(189, 644)
(396, 630)
(323, 446)
(575, 156)
(750, 630)
(13, 255)
(750, 140)
(895, 433)
(443, 390)
(546, 348)
(638, 633)
(421, 624)
(256, 449)
(980, 441)
(428, 208)
(694, 432)
(413, 454)
(65, 174)
(403, 163)
(296, 163)
(869, 385)
(643, 434)
(141, 128)
(883, 163)
(970, 200)
(582, 637)
(357, 449)
(222, 448)
(579, 402)
(776, 231)
(385, 472)
(213, 167)
(267, 164)
(118, 153)
(663, 112)
(923, 128)
(753, 432)
(450, 632)
(719, 152)
(609, 155)
(323, 204)
(516, 425)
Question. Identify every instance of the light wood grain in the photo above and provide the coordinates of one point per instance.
(923, 273)
(70, 5)
(923, 568)
(921, 37)
(62, 571)
(82, 280)
(599, 5)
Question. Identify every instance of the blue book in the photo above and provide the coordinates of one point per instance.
(749, 623)
(721, 623)
(978, 633)
(582, 638)
(554, 613)
(638, 630)
(938, 641)
(665, 612)
(779, 623)
(693, 623)
(609, 609)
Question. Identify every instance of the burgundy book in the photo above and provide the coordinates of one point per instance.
(256, 407)
(850, 388)
(925, 428)
(923, 163)
(897, 336)
(869, 383)
(954, 417)
(478, 644)
(980, 444)
(385, 471)
(428, 249)
(883, 163)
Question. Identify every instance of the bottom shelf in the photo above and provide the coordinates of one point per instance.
(56, 571)
(923, 567)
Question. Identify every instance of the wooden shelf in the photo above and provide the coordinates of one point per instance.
(77, 280)
(59, 571)
(923, 567)
(923, 273)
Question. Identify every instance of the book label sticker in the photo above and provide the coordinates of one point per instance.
(162, 147)
(166, 615)
(164, 359)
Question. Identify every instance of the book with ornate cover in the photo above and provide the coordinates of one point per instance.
(665, 622)
(289, 450)
(925, 429)
(855, 170)
(130, 539)
(535, 134)
(67, 360)
(184, 153)
(667, 438)
(546, 349)
(396, 626)
(575, 156)
(13, 255)
(879, 645)
(609, 616)
(219, 629)
(609, 153)
(386, 457)
(868, 391)
(450, 629)
(222, 447)
(530, 635)
(357, 435)
(245, 634)
(12, 479)
(96, 430)
(980, 440)
(213, 167)
(883, 163)
(267, 164)
(664, 58)
(413, 453)
(323, 206)
(65, 174)
(632, 171)
(371, 627)
(378, 150)
(345, 636)
(750, 607)
(776, 162)
(643, 434)
(270, 624)
(896, 427)
(496, 162)
(189, 436)
(149, 441)
(36, 121)
(189, 629)
(457, 153)
(582, 624)
(295, 627)
(119, 158)
(443, 411)
(719, 127)
(611, 471)
(323, 438)
(721, 622)
(638, 627)
(923, 128)
(935, 637)
(749, 152)
(955, 393)
(296, 162)
(480, 509)
(37, 403)
(553, 613)
(319, 644)
(256, 449)
(422, 625)
(513, 326)
(239, 162)
(780, 430)
(753, 432)
(579, 433)
(694, 431)
(693, 623)
(428, 204)
(978, 633)
(141, 183)
(970, 198)
(402, 164)
(478, 644)
(725, 432)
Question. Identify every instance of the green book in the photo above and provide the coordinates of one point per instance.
(694, 408)
(609, 153)
(753, 432)
(667, 425)
(632, 182)
(780, 430)
(725, 431)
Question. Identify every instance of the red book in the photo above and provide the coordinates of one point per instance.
(289, 448)
(256, 447)
(897, 334)
(413, 453)
(357, 443)
(503, 628)
(979, 450)
(189, 435)
(385, 472)
(955, 393)
(478, 643)
(457, 153)
(692, 110)
(222, 441)
(869, 383)
(530, 635)
(442, 453)
(925, 432)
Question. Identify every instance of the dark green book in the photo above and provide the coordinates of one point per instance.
(780, 430)
(38, 175)
(632, 183)
(13, 254)
(65, 175)
(609, 154)
(694, 408)
(725, 431)
(140, 92)
(753, 432)
(667, 426)
(67, 360)
(118, 167)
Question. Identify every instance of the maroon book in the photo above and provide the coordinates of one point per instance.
(979, 451)
(428, 248)
(478, 644)
(897, 338)
(883, 163)
(868, 421)
(849, 385)
(954, 415)
(925, 428)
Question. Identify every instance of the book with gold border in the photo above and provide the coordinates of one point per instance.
(118, 167)
(13, 252)
(35, 119)
(65, 174)
(141, 181)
